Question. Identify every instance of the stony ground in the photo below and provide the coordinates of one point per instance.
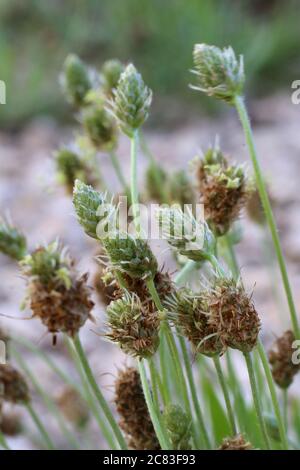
(29, 193)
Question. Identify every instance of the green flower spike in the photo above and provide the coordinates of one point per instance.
(12, 241)
(131, 102)
(76, 81)
(111, 72)
(219, 73)
(178, 425)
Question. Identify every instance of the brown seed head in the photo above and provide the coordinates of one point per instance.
(10, 423)
(73, 407)
(280, 358)
(235, 443)
(222, 188)
(131, 406)
(13, 386)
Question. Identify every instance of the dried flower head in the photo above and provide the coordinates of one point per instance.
(223, 190)
(232, 314)
(219, 73)
(235, 443)
(71, 165)
(76, 80)
(133, 326)
(181, 230)
(131, 102)
(189, 313)
(87, 202)
(111, 72)
(130, 255)
(178, 426)
(12, 241)
(73, 407)
(13, 385)
(132, 408)
(10, 423)
(280, 358)
(100, 127)
(55, 292)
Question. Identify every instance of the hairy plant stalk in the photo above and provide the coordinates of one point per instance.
(265, 363)
(161, 436)
(118, 170)
(154, 382)
(165, 370)
(50, 404)
(204, 438)
(223, 384)
(285, 407)
(134, 187)
(256, 399)
(243, 115)
(98, 394)
(35, 418)
(276, 407)
(88, 396)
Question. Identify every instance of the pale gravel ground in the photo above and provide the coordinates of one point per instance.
(29, 194)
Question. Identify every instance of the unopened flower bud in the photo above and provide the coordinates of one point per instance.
(71, 165)
(132, 326)
(111, 72)
(178, 425)
(219, 72)
(100, 127)
(76, 80)
(131, 102)
(12, 241)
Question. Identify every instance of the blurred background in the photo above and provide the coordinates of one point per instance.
(35, 37)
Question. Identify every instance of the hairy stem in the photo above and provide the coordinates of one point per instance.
(243, 115)
(98, 394)
(35, 418)
(256, 399)
(223, 384)
(162, 438)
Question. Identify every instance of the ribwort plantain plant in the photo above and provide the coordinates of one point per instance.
(164, 325)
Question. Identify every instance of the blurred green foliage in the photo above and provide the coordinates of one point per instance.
(158, 35)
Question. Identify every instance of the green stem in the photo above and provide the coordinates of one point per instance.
(223, 384)
(268, 373)
(165, 370)
(49, 402)
(88, 396)
(3, 442)
(233, 261)
(187, 268)
(243, 115)
(199, 414)
(285, 407)
(256, 399)
(163, 440)
(154, 382)
(133, 178)
(40, 426)
(116, 164)
(98, 394)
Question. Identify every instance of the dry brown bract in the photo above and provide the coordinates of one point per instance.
(280, 358)
(235, 443)
(131, 406)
